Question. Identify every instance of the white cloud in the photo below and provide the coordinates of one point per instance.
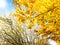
(3, 3)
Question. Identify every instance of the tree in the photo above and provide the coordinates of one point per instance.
(45, 13)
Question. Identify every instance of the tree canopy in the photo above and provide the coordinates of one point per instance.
(44, 13)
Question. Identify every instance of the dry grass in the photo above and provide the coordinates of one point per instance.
(13, 34)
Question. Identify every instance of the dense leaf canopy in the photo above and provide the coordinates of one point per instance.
(44, 13)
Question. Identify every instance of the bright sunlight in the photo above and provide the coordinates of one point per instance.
(3, 3)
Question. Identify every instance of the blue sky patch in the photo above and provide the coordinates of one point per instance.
(6, 7)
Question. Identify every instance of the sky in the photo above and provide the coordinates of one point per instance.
(6, 7)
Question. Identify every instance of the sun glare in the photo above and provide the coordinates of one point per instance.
(2, 3)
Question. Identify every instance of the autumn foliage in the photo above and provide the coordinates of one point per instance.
(44, 13)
